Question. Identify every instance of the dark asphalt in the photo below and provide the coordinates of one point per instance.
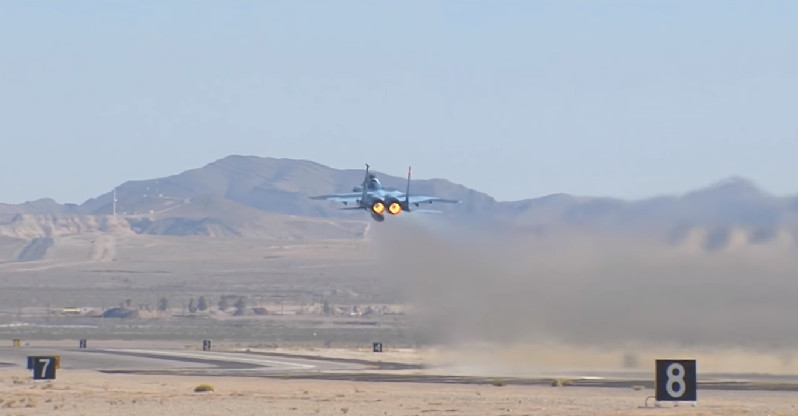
(292, 366)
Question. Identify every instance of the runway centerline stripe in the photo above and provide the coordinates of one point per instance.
(213, 356)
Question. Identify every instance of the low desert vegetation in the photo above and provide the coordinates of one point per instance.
(25, 402)
(497, 382)
(560, 382)
(202, 388)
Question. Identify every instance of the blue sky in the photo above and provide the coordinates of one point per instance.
(514, 98)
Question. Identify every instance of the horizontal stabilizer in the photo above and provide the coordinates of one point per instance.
(426, 211)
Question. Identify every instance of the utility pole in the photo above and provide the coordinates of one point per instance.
(114, 203)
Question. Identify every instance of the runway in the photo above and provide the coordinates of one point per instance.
(187, 362)
(173, 361)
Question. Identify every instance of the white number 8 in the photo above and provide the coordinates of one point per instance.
(675, 377)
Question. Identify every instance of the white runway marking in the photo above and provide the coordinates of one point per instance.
(215, 356)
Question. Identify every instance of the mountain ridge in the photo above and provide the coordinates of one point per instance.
(239, 193)
(47, 204)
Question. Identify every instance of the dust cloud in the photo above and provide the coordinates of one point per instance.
(584, 290)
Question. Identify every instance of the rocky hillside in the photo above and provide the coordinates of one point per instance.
(30, 226)
(256, 196)
(267, 184)
(41, 206)
(205, 216)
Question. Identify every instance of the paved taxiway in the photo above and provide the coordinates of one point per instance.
(181, 361)
(174, 361)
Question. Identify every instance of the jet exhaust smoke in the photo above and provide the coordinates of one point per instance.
(468, 286)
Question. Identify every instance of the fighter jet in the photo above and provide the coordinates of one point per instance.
(375, 199)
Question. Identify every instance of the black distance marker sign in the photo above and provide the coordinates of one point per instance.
(43, 367)
(676, 381)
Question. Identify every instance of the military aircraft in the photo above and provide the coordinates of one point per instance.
(375, 199)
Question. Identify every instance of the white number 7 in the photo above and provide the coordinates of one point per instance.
(44, 367)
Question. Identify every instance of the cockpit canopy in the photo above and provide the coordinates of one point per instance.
(373, 184)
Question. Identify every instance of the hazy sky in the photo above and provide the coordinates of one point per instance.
(514, 98)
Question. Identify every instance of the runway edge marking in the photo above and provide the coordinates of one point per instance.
(213, 356)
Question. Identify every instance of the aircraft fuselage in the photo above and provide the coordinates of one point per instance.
(378, 201)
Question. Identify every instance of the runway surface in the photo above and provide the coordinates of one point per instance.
(173, 361)
(181, 361)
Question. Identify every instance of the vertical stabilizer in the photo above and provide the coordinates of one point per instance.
(407, 190)
(365, 187)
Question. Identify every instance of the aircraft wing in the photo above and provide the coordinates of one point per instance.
(345, 197)
(418, 199)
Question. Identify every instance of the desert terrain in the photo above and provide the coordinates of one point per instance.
(472, 322)
(89, 393)
(398, 208)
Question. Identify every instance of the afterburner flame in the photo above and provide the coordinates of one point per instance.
(395, 208)
(378, 207)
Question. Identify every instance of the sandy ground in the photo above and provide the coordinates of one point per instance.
(91, 393)
(147, 269)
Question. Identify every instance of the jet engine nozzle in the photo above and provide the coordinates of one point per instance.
(378, 207)
(395, 207)
(393, 204)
